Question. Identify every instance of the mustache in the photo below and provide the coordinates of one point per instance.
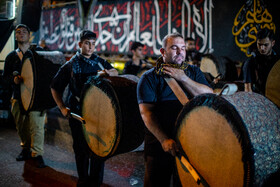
(180, 55)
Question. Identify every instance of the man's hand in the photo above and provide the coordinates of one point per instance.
(176, 73)
(169, 145)
(65, 111)
(106, 72)
(18, 79)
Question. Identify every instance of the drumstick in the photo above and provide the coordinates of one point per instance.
(100, 65)
(77, 117)
(189, 167)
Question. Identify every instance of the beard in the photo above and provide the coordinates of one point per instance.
(178, 59)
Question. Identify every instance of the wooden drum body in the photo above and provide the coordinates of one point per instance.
(113, 121)
(37, 74)
(230, 140)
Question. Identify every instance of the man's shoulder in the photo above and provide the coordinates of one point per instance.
(128, 63)
(12, 54)
(97, 58)
(193, 69)
(150, 75)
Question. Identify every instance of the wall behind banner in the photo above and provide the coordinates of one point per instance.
(209, 22)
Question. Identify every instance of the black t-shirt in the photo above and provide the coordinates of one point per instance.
(133, 69)
(256, 70)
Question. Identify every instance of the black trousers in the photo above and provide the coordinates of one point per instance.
(159, 170)
(90, 170)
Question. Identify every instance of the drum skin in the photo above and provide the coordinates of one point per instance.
(37, 74)
(113, 122)
(230, 140)
(272, 89)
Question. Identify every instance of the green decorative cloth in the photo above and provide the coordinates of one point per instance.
(160, 64)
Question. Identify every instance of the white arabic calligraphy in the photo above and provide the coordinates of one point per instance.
(66, 36)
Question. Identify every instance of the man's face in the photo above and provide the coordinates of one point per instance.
(175, 51)
(138, 52)
(265, 46)
(190, 45)
(87, 47)
(22, 35)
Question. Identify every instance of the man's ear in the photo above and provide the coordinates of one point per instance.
(272, 43)
(162, 51)
(80, 44)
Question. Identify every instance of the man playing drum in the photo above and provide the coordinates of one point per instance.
(256, 69)
(160, 107)
(30, 125)
(75, 73)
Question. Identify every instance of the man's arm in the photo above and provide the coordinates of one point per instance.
(191, 86)
(151, 122)
(247, 87)
(58, 99)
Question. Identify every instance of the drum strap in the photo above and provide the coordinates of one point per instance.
(177, 90)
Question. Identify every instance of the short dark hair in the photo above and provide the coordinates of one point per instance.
(135, 45)
(172, 35)
(189, 39)
(263, 33)
(23, 26)
(87, 34)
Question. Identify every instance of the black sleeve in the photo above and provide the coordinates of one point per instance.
(62, 78)
(9, 68)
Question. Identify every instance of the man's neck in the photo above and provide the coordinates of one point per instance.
(86, 56)
(136, 60)
(23, 47)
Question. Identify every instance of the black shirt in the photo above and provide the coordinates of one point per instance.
(256, 70)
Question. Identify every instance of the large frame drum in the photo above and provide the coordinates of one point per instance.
(230, 140)
(37, 74)
(113, 121)
(272, 88)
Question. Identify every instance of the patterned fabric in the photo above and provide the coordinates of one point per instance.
(77, 67)
(160, 64)
(262, 120)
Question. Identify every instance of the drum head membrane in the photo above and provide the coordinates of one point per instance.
(212, 148)
(100, 132)
(27, 87)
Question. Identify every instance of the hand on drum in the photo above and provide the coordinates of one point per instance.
(106, 72)
(169, 145)
(174, 72)
(18, 79)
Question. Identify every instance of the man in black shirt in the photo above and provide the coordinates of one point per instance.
(76, 72)
(30, 125)
(137, 64)
(193, 57)
(257, 68)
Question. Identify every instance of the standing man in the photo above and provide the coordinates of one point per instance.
(76, 72)
(257, 68)
(137, 64)
(30, 125)
(159, 107)
(193, 57)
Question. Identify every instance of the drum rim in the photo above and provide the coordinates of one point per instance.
(210, 100)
